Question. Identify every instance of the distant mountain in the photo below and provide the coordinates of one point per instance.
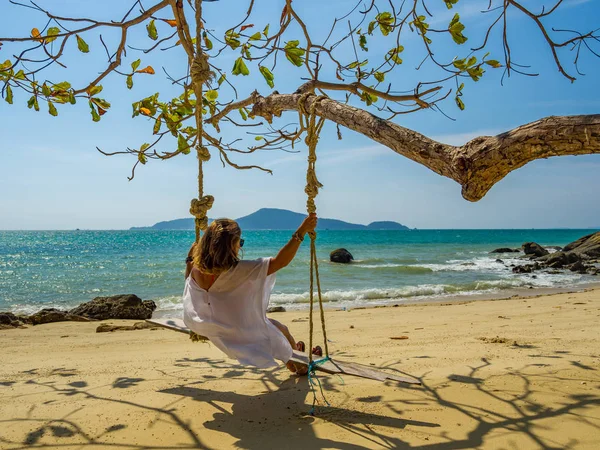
(277, 219)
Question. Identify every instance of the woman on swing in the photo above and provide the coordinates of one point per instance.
(226, 299)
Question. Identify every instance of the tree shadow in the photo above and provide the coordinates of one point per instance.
(268, 409)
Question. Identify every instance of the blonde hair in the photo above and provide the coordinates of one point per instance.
(217, 251)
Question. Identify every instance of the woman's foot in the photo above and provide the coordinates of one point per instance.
(298, 369)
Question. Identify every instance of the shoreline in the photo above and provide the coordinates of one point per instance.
(428, 300)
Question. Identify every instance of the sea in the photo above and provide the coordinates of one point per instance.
(61, 269)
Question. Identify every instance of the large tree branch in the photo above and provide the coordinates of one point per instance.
(477, 165)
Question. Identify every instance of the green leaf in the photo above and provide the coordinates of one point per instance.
(141, 157)
(471, 61)
(450, 3)
(152, 32)
(9, 95)
(362, 41)
(460, 64)
(52, 32)
(266, 31)
(456, 28)
(157, 125)
(459, 103)
(52, 109)
(420, 24)
(33, 103)
(207, 42)
(475, 72)
(372, 26)
(72, 99)
(267, 75)
(20, 75)
(379, 76)
(129, 82)
(232, 39)
(258, 138)
(242, 112)
(63, 86)
(221, 79)
(240, 68)
(256, 36)
(369, 99)
(492, 62)
(136, 64)
(94, 90)
(101, 103)
(293, 53)
(394, 53)
(46, 90)
(386, 22)
(182, 144)
(211, 95)
(82, 45)
(5, 65)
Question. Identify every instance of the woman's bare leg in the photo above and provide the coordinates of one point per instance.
(300, 370)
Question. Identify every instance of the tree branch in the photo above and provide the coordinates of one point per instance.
(477, 165)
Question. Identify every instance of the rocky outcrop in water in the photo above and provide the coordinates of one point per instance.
(506, 250)
(579, 256)
(341, 255)
(587, 247)
(534, 250)
(126, 306)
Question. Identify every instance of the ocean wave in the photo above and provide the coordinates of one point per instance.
(395, 268)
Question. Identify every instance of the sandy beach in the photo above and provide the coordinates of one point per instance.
(521, 373)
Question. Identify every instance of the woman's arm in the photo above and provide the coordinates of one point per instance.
(289, 250)
(189, 262)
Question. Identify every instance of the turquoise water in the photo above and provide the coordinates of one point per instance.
(64, 268)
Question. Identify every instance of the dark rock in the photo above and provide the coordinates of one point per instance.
(578, 267)
(274, 309)
(527, 268)
(126, 306)
(587, 246)
(500, 261)
(534, 250)
(341, 255)
(50, 315)
(558, 260)
(9, 320)
(505, 250)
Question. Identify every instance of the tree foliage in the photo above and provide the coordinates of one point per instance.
(358, 61)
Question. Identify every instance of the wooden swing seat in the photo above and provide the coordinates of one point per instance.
(330, 366)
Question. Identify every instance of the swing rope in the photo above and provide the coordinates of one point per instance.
(200, 73)
(313, 126)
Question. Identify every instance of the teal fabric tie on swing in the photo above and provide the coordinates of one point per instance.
(313, 379)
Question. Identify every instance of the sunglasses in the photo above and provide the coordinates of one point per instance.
(241, 243)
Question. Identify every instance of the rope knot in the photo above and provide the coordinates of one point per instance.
(200, 70)
(203, 153)
(199, 208)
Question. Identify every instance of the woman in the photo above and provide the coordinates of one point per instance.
(226, 299)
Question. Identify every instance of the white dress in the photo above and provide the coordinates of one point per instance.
(232, 314)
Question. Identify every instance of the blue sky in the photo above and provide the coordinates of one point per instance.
(51, 176)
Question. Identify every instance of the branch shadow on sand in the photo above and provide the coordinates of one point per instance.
(202, 395)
